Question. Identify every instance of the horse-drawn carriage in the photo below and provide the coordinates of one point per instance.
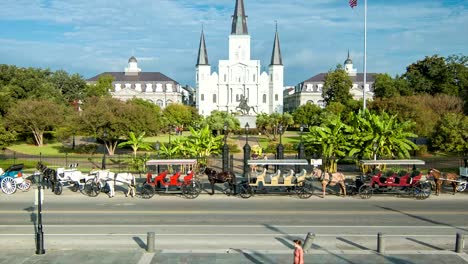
(171, 176)
(408, 181)
(12, 179)
(463, 180)
(60, 177)
(286, 181)
(106, 181)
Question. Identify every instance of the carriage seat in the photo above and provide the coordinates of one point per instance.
(285, 176)
(291, 179)
(272, 178)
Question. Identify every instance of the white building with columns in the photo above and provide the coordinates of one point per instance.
(239, 76)
(310, 90)
(151, 86)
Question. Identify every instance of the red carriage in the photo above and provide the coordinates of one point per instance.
(171, 176)
(403, 182)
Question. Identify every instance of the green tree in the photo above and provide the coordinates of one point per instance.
(217, 119)
(270, 124)
(6, 136)
(430, 75)
(35, 116)
(336, 86)
(101, 87)
(451, 134)
(382, 135)
(72, 87)
(308, 114)
(180, 115)
(136, 143)
(385, 86)
(331, 140)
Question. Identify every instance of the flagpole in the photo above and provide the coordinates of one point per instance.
(365, 55)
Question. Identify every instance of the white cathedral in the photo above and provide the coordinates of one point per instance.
(240, 79)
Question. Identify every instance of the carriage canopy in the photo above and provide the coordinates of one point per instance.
(278, 162)
(393, 162)
(172, 162)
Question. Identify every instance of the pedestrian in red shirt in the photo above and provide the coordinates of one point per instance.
(298, 252)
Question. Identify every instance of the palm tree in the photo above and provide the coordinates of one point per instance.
(330, 139)
(136, 143)
(380, 135)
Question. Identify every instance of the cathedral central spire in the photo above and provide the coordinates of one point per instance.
(239, 20)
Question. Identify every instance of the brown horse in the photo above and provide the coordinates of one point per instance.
(222, 177)
(444, 178)
(331, 179)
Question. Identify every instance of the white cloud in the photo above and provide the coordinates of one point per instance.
(100, 35)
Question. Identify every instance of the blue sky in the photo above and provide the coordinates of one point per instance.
(92, 36)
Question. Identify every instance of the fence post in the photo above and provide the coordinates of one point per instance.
(66, 160)
(150, 242)
(380, 243)
(459, 243)
(14, 157)
(309, 240)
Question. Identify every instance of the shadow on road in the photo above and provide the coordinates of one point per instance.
(422, 218)
(352, 243)
(424, 243)
(140, 242)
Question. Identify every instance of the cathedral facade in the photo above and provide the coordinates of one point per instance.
(239, 86)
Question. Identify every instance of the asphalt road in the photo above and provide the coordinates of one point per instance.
(220, 223)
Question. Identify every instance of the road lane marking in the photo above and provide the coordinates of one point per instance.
(243, 212)
(250, 226)
(238, 235)
(146, 258)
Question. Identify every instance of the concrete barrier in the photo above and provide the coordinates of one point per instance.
(308, 241)
(380, 243)
(459, 242)
(150, 242)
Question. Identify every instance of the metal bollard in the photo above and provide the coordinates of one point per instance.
(459, 243)
(380, 243)
(150, 242)
(309, 240)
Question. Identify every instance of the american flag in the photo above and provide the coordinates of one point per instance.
(352, 3)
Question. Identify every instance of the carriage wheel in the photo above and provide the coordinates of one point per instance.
(147, 191)
(365, 192)
(305, 191)
(8, 185)
(75, 187)
(422, 190)
(191, 190)
(245, 191)
(461, 186)
(58, 188)
(91, 188)
(25, 185)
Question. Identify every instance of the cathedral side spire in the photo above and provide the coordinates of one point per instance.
(276, 58)
(202, 53)
(239, 20)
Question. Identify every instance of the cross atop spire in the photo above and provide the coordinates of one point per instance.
(239, 20)
(202, 53)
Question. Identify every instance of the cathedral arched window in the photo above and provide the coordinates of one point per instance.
(202, 97)
(276, 97)
(168, 102)
(264, 98)
(214, 98)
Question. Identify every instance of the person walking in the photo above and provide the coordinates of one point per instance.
(298, 252)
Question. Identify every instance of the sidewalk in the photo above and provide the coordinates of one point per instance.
(233, 257)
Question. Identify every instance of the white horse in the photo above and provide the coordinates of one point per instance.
(331, 179)
(117, 179)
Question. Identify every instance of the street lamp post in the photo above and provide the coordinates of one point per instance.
(301, 150)
(104, 136)
(374, 147)
(225, 149)
(246, 150)
(157, 146)
(280, 148)
(39, 232)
